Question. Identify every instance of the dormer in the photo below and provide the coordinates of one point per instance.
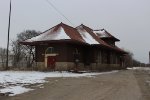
(106, 36)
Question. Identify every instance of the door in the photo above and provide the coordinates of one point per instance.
(51, 61)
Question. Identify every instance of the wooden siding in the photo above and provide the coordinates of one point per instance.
(60, 49)
(109, 41)
(65, 52)
(87, 54)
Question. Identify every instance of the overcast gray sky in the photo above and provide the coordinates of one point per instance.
(128, 20)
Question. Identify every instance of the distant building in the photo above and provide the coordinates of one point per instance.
(63, 47)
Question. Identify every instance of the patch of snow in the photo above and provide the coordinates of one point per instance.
(58, 34)
(15, 81)
(139, 68)
(101, 33)
(86, 36)
(129, 68)
(41, 87)
(21, 77)
(14, 90)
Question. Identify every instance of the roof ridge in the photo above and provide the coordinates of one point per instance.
(51, 28)
(95, 37)
(85, 26)
(111, 35)
(66, 25)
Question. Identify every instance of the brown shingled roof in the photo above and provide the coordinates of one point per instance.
(70, 34)
(104, 34)
(63, 32)
(90, 31)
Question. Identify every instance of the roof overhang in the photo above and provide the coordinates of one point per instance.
(52, 41)
(110, 38)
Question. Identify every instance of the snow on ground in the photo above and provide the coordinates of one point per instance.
(139, 68)
(18, 82)
(13, 90)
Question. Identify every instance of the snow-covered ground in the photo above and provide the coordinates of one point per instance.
(139, 68)
(17, 82)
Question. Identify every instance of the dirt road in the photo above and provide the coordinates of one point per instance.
(123, 85)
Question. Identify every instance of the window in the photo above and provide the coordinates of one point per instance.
(49, 50)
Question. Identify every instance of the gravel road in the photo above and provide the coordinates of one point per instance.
(123, 85)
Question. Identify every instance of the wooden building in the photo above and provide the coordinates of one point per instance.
(63, 47)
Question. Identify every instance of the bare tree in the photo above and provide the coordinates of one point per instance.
(18, 54)
(129, 59)
(3, 57)
(131, 62)
(23, 52)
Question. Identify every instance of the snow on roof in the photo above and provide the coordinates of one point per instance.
(58, 34)
(86, 36)
(101, 33)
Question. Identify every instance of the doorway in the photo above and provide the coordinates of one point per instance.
(51, 61)
(50, 58)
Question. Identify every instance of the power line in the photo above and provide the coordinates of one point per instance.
(59, 11)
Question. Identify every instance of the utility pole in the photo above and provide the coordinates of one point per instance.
(8, 37)
(149, 57)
